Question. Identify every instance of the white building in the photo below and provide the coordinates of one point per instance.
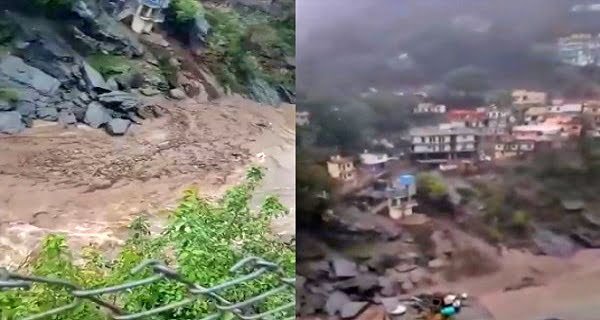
(579, 49)
(426, 107)
(374, 161)
(144, 13)
(302, 118)
(437, 144)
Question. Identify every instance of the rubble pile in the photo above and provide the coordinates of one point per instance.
(340, 287)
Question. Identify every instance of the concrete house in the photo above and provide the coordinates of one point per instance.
(341, 168)
(438, 144)
(508, 147)
(374, 162)
(498, 120)
(524, 97)
(302, 118)
(143, 14)
(426, 107)
(467, 118)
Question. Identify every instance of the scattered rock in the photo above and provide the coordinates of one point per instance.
(407, 286)
(118, 127)
(417, 275)
(112, 84)
(343, 268)
(6, 106)
(335, 302)
(351, 309)
(94, 79)
(405, 267)
(148, 91)
(15, 70)
(47, 113)
(393, 306)
(97, 115)
(119, 100)
(177, 93)
(387, 286)
(10, 122)
(66, 117)
(437, 263)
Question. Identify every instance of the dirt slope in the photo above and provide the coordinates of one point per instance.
(89, 185)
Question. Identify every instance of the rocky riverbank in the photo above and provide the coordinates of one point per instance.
(90, 68)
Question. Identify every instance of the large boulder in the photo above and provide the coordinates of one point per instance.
(118, 127)
(66, 117)
(47, 113)
(6, 105)
(94, 79)
(10, 122)
(119, 100)
(97, 115)
(177, 94)
(15, 71)
(263, 92)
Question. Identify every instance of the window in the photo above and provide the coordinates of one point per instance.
(146, 12)
(395, 202)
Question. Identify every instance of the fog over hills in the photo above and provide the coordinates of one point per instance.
(345, 47)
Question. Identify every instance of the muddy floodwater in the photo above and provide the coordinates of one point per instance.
(89, 186)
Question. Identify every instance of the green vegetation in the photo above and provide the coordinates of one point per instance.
(185, 10)
(243, 48)
(110, 65)
(431, 186)
(53, 6)
(9, 95)
(204, 239)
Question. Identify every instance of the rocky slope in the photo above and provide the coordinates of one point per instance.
(86, 67)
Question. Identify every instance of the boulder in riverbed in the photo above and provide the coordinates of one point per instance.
(118, 127)
(47, 113)
(97, 115)
(10, 122)
(94, 79)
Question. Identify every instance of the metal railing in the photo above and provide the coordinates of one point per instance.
(246, 270)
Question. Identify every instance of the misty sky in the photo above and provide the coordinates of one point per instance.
(344, 45)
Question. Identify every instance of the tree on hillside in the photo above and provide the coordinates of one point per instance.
(311, 184)
(347, 125)
(468, 80)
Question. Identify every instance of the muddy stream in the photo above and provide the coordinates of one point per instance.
(89, 186)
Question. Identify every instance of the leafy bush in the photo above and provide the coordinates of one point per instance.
(9, 95)
(110, 65)
(431, 186)
(520, 221)
(185, 10)
(203, 238)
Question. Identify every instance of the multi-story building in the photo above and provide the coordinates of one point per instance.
(507, 147)
(467, 118)
(438, 144)
(579, 50)
(498, 121)
(427, 107)
(341, 168)
(143, 13)
(529, 98)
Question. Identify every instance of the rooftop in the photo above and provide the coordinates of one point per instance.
(536, 111)
(156, 3)
(437, 131)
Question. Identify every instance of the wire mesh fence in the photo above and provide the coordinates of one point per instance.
(245, 270)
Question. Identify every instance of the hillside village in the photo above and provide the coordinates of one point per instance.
(410, 196)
